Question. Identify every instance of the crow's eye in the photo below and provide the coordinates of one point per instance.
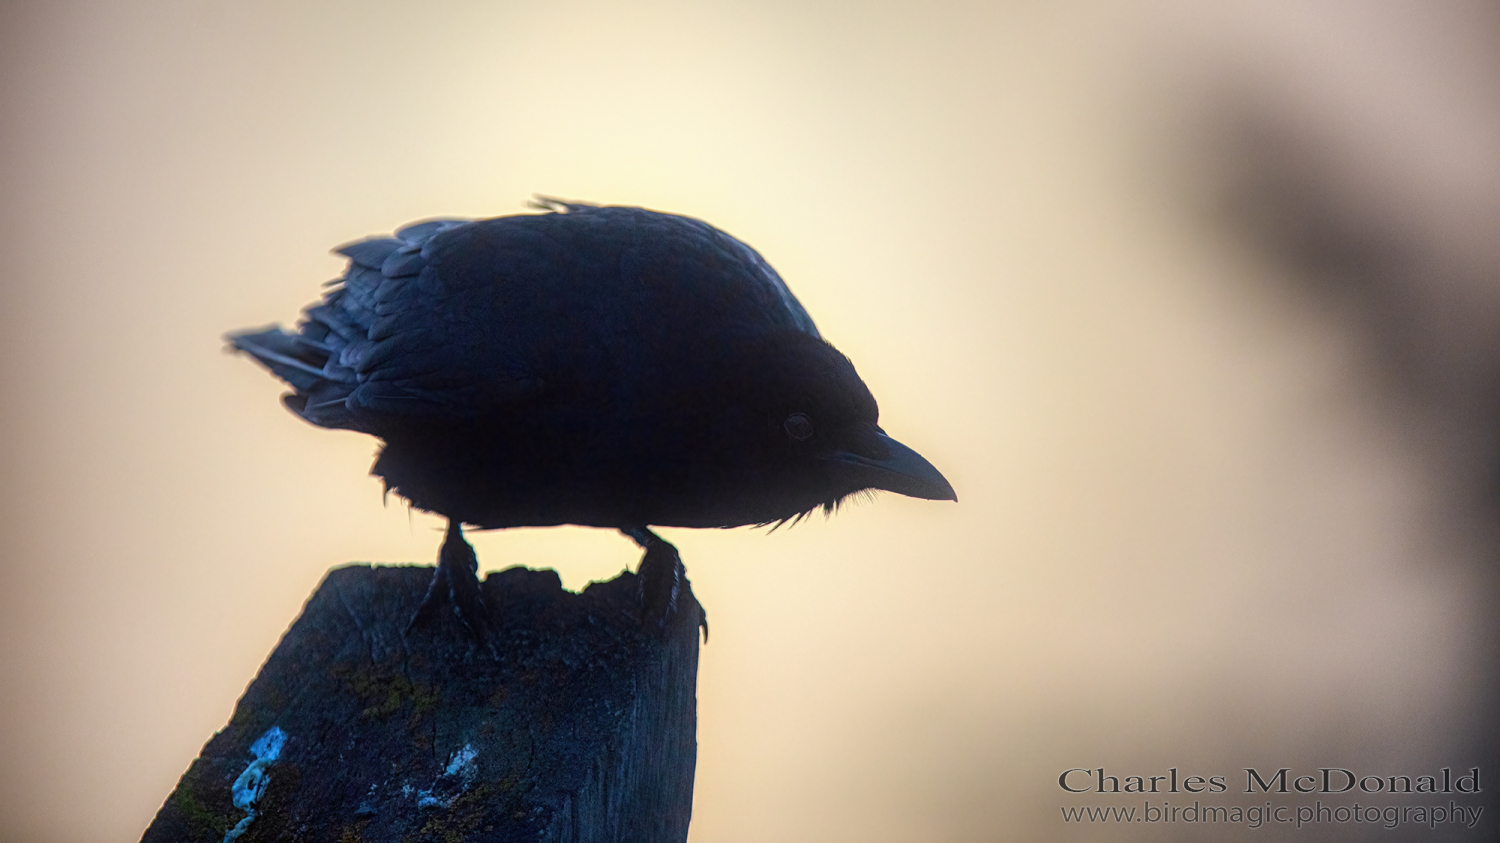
(798, 426)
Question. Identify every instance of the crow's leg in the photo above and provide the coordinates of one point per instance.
(456, 582)
(660, 574)
(661, 577)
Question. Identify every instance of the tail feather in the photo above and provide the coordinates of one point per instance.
(327, 361)
(280, 352)
(322, 386)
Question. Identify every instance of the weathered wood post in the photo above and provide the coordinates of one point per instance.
(582, 730)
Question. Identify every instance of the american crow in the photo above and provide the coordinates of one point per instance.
(604, 366)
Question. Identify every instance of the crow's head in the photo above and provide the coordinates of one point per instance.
(806, 433)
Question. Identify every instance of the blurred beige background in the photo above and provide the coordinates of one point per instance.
(1195, 304)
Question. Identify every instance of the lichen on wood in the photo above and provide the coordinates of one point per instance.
(582, 730)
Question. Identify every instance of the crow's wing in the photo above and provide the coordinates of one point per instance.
(453, 319)
(654, 231)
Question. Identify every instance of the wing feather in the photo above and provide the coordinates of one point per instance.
(452, 319)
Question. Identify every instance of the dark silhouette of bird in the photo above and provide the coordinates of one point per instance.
(602, 366)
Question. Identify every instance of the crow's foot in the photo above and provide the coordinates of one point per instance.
(661, 576)
(456, 582)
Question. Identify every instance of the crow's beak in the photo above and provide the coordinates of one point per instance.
(901, 470)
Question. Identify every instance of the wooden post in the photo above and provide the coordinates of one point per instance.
(583, 730)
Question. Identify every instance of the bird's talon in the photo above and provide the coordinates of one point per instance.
(456, 582)
(437, 591)
(661, 575)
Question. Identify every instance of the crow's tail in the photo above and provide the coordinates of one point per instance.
(322, 361)
(309, 364)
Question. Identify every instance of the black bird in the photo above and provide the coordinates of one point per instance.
(603, 366)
